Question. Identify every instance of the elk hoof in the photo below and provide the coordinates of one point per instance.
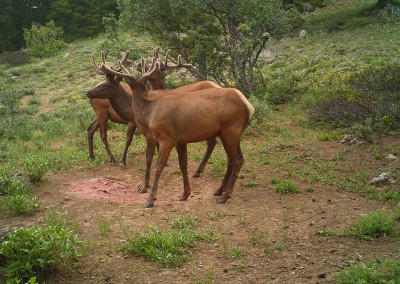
(149, 204)
(196, 174)
(224, 198)
(91, 157)
(123, 166)
(141, 189)
(183, 198)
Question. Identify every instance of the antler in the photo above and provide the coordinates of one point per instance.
(154, 67)
(165, 68)
(123, 60)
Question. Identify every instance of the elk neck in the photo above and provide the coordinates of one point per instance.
(142, 107)
(121, 102)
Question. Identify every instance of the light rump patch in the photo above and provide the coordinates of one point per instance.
(247, 103)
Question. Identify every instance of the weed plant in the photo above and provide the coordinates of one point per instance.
(168, 249)
(36, 167)
(285, 187)
(375, 271)
(373, 225)
(30, 252)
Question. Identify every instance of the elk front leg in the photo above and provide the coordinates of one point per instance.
(210, 148)
(90, 132)
(165, 150)
(151, 145)
(182, 155)
(129, 135)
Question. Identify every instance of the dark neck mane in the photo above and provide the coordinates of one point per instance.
(141, 106)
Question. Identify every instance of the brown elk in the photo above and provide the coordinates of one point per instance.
(119, 97)
(105, 112)
(181, 118)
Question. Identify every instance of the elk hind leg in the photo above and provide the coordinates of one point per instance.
(235, 158)
(182, 154)
(210, 148)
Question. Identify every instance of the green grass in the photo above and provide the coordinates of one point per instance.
(287, 187)
(326, 232)
(165, 248)
(373, 225)
(374, 271)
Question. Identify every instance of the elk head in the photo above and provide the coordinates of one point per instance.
(104, 89)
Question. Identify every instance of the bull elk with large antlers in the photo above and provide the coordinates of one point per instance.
(181, 118)
(105, 112)
(119, 96)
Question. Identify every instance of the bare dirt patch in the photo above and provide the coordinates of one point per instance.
(276, 234)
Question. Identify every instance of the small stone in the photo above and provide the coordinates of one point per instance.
(322, 275)
(391, 157)
(225, 270)
(303, 33)
(382, 179)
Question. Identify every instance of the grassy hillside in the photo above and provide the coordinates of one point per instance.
(46, 115)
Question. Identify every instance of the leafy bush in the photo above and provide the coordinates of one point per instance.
(14, 58)
(338, 112)
(36, 167)
(21, 204)
(15, 195)
(375, 271)
(373, 225)
(379, 88)
(44, 40)
(29, 252)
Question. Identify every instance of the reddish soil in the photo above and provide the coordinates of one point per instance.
(277, 234)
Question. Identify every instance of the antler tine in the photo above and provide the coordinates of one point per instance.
(155, 52)
(166, 58)
(108, 70)
(96, 67)
(133, 68)
(123, 60)
(125, 56)
(103, 57)
(142, 66)
(180, 64)
(154, 67)
(123, 68)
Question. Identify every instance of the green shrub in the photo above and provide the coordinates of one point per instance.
(29, 252)
(262, 111)
(36, 167)
(44, 40)
(338, 112)
(375, 271)
(286, 187)
(373, 225)
(21, 204)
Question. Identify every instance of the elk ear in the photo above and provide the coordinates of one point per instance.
(128, 81)
(118, 79)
